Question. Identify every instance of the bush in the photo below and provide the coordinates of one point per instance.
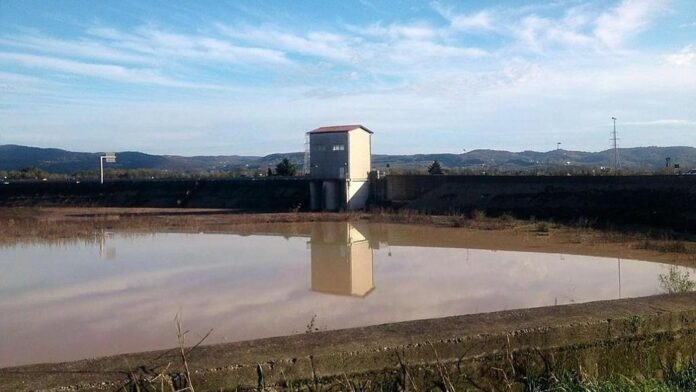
(286, 168)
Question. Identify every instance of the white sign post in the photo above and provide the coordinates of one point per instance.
(109, 157)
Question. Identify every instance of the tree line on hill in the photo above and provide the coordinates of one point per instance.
(284, 168)
(23, 163)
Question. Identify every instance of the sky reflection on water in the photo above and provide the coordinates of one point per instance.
(119, 295)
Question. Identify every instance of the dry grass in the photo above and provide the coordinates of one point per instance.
(664, 246)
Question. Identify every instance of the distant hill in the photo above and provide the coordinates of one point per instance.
(14, 157)
(648, 158)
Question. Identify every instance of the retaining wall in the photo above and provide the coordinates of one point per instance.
(658, 201)
(661, 201)
(275, 194)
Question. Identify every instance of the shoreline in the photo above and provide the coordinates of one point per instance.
(56, 224)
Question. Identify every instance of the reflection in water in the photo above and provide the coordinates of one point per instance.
(273, 281)
(105, 252)
(341, 260)
(618, 263)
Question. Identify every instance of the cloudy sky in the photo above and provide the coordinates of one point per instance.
(251, 77)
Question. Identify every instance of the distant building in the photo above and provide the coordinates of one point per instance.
(340, 159)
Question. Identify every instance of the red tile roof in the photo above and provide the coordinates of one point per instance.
(339, 128)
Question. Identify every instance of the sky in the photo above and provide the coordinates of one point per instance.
(251, 77)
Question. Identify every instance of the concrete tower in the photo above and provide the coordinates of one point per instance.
(340, 160)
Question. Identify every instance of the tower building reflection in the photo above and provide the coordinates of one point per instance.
(341, 259)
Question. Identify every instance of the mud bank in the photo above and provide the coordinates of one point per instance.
(635, 336)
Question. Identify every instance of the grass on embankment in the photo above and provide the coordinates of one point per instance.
(436, 377)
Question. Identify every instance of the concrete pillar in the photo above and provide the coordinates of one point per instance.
(315, 195)
(331, 195)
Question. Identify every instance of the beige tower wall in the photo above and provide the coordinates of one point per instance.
(360, 155)
(357, 193)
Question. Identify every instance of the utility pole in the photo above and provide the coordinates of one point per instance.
(615, 140)
(109, 157)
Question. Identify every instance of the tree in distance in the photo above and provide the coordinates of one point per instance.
(285, 168)
(435, 168)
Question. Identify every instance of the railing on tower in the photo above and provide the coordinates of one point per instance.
(306, 155)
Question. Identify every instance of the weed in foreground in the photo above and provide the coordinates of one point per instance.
(543, 227)
(158, 377)
(677, 281)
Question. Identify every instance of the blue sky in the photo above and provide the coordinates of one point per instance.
(251, 77)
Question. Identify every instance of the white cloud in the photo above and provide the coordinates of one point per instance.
(685, 57)
(627, 19)
(320, 44)
(579, 26)
(423, 52)
(165, 44)
(393, 49)
(481, 20)
(73, 48)
(102, 71)
(397, 31)
(539, 34)
(534, 32)
(109, 44)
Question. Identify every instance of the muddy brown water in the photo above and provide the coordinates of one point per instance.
(120, 292)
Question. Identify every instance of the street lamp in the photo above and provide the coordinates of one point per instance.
(109, 157)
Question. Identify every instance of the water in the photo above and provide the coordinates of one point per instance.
(120, 292)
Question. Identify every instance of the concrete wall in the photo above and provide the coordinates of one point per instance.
(660, 201)
(245, 194)
(663, 201)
